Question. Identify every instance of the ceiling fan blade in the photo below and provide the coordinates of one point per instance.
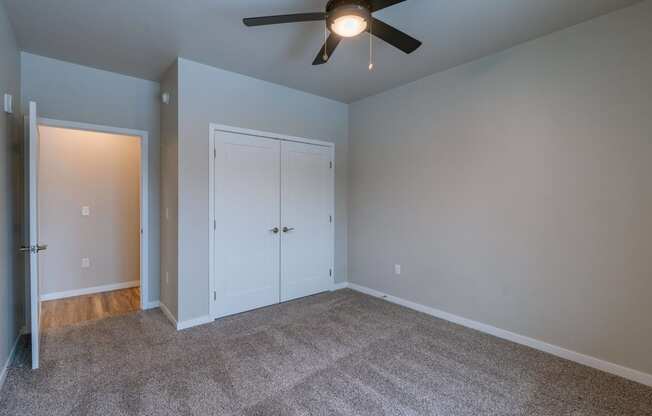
(393, 36)
(329, 47)
(381, 4)
(283, 18)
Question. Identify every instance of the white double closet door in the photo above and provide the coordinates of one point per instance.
(273, 214)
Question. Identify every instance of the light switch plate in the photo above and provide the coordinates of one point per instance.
(397, 269)
(85, 263)
(86, 211)
(9, 104)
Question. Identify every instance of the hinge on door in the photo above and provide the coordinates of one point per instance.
(330, 218)
(214, 295)
(214, 153)
(331, 164)
(215, 224)
(330, 272)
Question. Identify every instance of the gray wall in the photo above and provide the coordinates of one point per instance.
(169, 190)
(77, 93)
(517, 190)
(11, 264)
(101, 171)
(208, 95)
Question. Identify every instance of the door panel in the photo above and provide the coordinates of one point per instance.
(33, 247)
(247, 208)
(306, 210)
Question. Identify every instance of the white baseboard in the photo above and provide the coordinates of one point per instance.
(194, 322)
(12, 354)
(89, 290)
(168, 314)
(607, 367)
(152, 305)
(340, 286)
(179, 325)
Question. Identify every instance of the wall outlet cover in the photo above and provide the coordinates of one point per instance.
(85, 263)
(86, 211)
(9, 104)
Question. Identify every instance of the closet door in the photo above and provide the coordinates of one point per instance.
(247, 212)
(306, 210)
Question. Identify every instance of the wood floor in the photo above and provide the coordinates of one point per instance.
(63, 312)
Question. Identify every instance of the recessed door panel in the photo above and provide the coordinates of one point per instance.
(306, 219)
(247, 212)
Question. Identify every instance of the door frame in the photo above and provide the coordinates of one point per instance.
(212, 232)
(144, 191)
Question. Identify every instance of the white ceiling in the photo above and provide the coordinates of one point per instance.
(142, 37)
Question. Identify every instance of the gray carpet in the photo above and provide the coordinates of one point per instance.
(340, 353)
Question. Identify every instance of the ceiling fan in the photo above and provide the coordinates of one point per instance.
(346, 19)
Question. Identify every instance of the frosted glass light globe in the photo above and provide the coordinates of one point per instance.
(349, 26)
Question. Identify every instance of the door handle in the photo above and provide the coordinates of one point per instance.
(33, 249)
(275, 230)
(287, 230)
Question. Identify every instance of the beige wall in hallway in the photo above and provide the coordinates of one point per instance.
(105, 98)
(100, 171)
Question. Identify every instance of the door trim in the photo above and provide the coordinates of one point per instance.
(212, 129)
(145, 303)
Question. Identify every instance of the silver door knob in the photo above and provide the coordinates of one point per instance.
(33, 249)
(275, 230)
(287, 230)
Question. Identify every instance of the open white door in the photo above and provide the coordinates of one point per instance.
(34, 246)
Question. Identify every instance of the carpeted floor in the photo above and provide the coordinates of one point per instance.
(340, 353)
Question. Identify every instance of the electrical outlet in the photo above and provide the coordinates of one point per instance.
(86, 211)
(85, 263)
(9, 104)
(397, 269)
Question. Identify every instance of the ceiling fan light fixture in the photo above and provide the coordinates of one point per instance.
(349, 26)
(348, 20)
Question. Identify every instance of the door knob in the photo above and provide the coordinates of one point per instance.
(33, 249)
(275, 230)
(287, 230)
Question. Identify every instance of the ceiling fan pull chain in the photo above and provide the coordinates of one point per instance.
(371, 48)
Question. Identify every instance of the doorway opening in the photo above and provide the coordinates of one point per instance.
(92, 215)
